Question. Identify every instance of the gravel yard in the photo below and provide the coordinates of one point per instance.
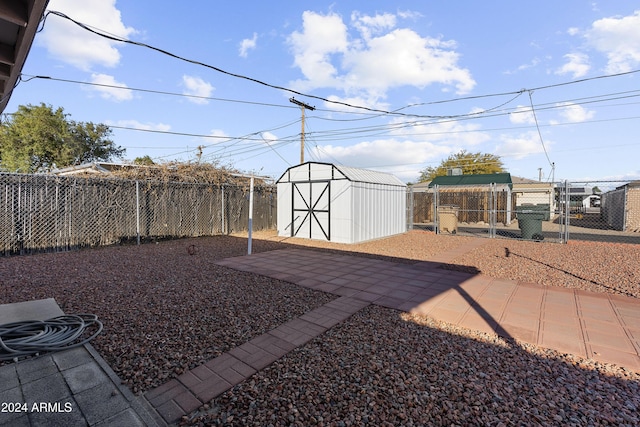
(382, 367)
(164, 310)
(167, 308)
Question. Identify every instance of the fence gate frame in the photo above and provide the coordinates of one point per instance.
(492, 209)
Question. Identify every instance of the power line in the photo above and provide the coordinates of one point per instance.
(112, 37)
(535, 118)
(159, 92)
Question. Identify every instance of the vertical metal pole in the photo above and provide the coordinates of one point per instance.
(567, 210)
(495, 209)
(223, 228)
(410, 209)
(436, 202)
(624, 208)
(138, 211)
(302, 138)
(250, 217)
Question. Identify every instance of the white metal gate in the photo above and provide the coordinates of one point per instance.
(311, 209)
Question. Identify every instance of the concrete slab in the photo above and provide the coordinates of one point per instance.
(67, 388)
(42, 309)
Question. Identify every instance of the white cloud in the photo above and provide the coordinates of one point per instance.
(321, 37)
(522, 115)
(402, 57)
(370, 101)
(383, 58)
(619, 39)
(574, 113)
(69, 43)
(407, 157)
(409, 14)
(445, 133)
(577, 64)
(138, 125)
(573, 31)
(248, 44)
(521, 146)
(219, 133)
(269, 137)
(369, 25)
(196, 87)
(110, 93)
(409, 148)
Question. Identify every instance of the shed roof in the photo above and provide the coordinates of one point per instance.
(478, 179)
(344, 172)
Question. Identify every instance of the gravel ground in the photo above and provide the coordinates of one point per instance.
(382, 367)
(407, 248)
(167, 308)
(597, 267)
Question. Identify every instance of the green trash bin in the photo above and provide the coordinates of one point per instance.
(530, 223)
(544, 208)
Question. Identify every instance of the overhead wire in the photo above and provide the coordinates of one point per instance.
(342, 134)
(159, 92)
(369, 131)
(535, 118)
(116, 38)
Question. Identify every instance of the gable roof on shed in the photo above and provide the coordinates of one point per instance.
(477, 179)
(308, 171)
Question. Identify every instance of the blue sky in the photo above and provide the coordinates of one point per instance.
(433, 77)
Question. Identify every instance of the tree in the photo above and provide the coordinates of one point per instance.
(144, 161)
(470, 163)
(39, 138)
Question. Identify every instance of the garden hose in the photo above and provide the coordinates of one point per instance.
(32, 337)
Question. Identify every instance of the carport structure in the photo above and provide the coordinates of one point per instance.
(341, 204)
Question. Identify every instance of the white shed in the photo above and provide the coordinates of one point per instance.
(341, 204)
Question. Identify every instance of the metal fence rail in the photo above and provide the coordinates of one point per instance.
(607, 211)
(49, 213)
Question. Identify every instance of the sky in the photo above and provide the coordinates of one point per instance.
(552, 87)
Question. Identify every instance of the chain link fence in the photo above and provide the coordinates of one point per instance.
(41, 213)
(605, 211)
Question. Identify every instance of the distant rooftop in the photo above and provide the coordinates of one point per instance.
(477, 179)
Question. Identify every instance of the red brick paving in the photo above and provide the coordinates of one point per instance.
(599, 326)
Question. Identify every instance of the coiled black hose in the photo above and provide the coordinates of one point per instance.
(28, 338)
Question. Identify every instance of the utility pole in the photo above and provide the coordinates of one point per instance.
(303, 107)
(539, 174)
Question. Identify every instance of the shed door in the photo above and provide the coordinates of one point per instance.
(310, 210)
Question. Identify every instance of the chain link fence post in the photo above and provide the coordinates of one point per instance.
(436, 203)
(137, 212)
(409, 212)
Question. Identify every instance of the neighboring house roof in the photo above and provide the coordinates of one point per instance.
(580, 191)
(477, 179)
(343, 172)
(632, 184)
(421, 186)
(19, 20)
(92, 168)
(529, 185)
(521, 180)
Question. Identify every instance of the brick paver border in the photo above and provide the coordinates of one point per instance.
(189, 391)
